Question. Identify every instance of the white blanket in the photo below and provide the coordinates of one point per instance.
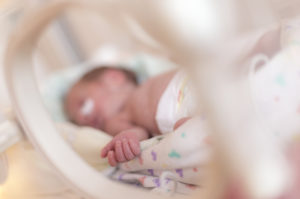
(33, 177)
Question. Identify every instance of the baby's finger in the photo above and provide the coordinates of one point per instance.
(111, 158)
(126, 149)
(135, 147)
(119, 151)
(107, 148)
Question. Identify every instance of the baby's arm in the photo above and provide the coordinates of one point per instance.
(180, 122)
(124, 146)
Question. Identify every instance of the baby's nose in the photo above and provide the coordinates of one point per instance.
(92, 120)
(89, 119)
(83, 119)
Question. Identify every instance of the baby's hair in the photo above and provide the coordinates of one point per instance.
(95, 73)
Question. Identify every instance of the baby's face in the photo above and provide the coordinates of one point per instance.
(96, 102)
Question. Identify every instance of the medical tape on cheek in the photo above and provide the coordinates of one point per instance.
(87, 107)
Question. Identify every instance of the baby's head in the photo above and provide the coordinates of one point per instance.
(99, 95)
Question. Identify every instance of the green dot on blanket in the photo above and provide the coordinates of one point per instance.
(183, 135)
(280, 80)
(174, 154)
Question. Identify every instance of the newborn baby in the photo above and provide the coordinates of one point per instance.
(111, 100)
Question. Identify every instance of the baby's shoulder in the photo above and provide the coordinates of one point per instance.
(148, 93)
(159, 82)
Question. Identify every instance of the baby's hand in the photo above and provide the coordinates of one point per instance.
(123, 147)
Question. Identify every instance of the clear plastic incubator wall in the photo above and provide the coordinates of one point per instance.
(242, 58)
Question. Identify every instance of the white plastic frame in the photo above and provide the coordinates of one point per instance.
(28, 105)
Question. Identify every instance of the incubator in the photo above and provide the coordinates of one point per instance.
(212, 40)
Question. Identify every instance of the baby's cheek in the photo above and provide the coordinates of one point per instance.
(75, 118)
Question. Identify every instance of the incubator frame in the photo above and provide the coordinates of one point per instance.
(44, 136)
(28, 106)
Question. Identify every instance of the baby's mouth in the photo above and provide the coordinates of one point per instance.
(97, 123)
